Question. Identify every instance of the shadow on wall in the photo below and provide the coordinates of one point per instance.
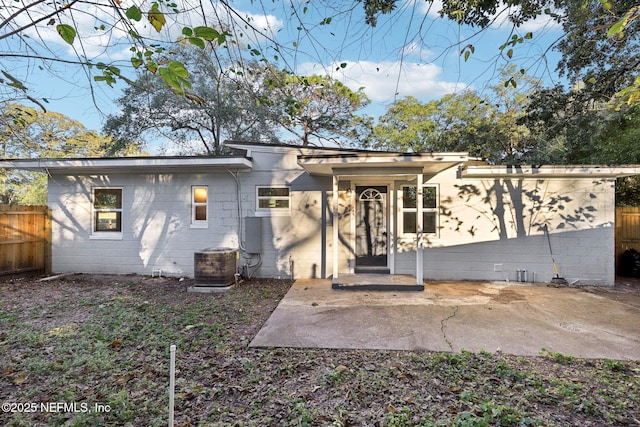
(511, 209)
(155, 230)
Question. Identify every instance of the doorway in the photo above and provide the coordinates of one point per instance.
(371, 229)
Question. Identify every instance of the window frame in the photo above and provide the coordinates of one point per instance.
(425, 210)
(106, 234)
(273, 211)
(199, 223)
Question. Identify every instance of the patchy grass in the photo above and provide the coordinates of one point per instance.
(94, 350)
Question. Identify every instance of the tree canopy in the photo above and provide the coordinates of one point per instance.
(599, 46)
(223, 103)
(317, 107)
(26, 132)
(257, 103)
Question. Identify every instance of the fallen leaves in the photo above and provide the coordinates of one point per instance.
(123, 379)
(119, 355)
(21, 378)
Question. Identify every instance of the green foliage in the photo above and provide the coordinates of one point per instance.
(316, 107)
(596, 50)
(490, 414)
(572, 129)
(374, 7)
(67, 32)
(407, 126)
(484, 127)
(212, 105)
(628, 191)
(106, 340)
(175, 76)
(29, 133)
(558, 357)
(614, 365)
(156, 17)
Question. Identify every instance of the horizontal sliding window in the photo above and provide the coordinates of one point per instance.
(270, 199)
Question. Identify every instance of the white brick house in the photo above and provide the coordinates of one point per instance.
(277, 205)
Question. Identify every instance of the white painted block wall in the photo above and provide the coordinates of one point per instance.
(156, 230)
(471, 241)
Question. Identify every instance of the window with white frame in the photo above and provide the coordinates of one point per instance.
(273, 199)
(107, 210)
(199, 206)
(409, 208)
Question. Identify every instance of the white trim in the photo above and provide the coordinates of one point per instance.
(391, 233)
(202, 223)
(352, 225)
(106, 235)
(419, 251)
(401, 210)
(388, 217)
(101, 235)
(336, 225)
(551, 171)
(129, 164)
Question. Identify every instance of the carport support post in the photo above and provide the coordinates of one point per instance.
(419, 225)
(335, 229)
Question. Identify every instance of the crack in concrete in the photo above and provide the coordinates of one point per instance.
(443, 326)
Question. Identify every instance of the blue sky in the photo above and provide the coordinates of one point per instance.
(410, 52)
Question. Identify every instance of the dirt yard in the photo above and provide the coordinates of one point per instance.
(94, 350)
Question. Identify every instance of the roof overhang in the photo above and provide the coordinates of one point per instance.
(380, 164)
(565, 171)
(130, 164)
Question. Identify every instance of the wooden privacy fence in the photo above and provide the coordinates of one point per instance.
(627, 230)
(25, 239)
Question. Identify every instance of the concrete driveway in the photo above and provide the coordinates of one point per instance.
(514, 318)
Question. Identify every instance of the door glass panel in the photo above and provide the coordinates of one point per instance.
(371, 226)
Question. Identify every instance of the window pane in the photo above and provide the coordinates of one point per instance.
(107, 198)
(273, 203)
(408, 222)
(201, 213)
(108, 221)
(429, 197)
(409, 197)
(200, 194)
(429, 222)
(273, 192)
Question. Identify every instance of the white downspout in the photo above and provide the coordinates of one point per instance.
(335, 230)
(419, 228)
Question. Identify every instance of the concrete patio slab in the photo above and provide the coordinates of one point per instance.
(515, 318)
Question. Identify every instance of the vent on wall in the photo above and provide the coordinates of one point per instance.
(253, 235)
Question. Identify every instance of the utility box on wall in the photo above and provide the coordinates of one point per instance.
(253, 235)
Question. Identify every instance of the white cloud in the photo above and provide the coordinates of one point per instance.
(385, 81)
(542, 22)
(431, 9)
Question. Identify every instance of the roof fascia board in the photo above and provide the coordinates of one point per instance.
(279, 149)
(376, 171)
(564, 171)
(127, 164)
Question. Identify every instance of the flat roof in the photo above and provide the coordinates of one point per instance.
(549, 171)
(379, 163)
(129, 164)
